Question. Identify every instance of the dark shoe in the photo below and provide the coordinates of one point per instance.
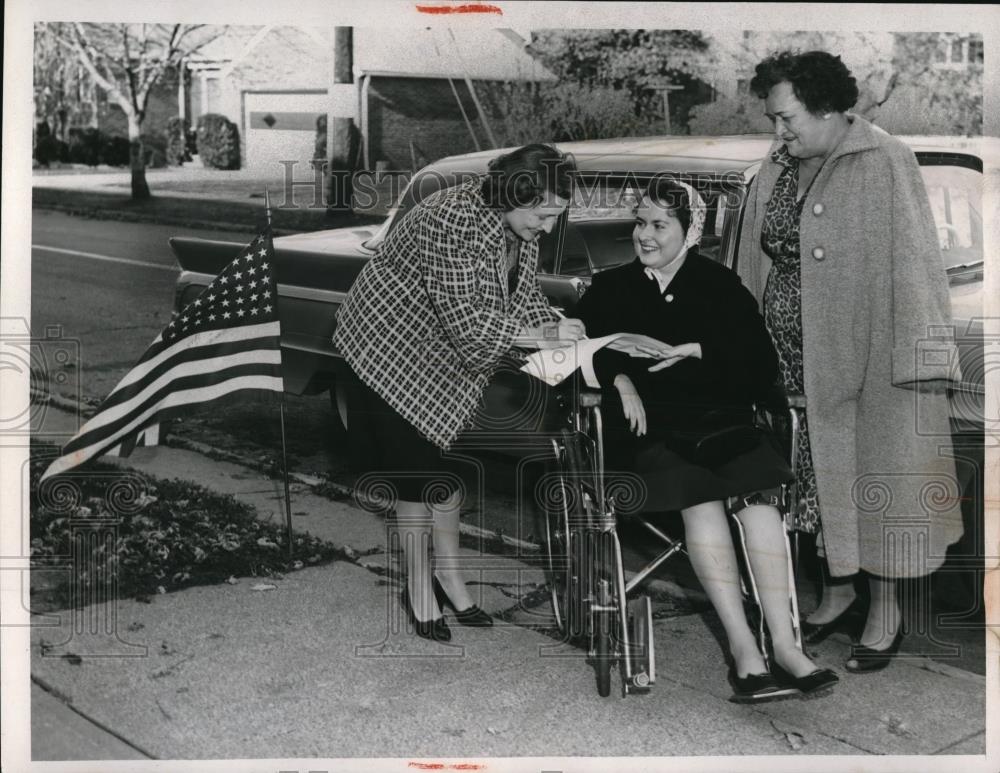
(472, 616)
(865, 659)
(810, 685)
(848, 620)
(435, 630)
(758, 688)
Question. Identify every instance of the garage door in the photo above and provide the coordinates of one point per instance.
(281, 127)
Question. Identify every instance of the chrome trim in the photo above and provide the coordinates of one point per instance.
(287, 291)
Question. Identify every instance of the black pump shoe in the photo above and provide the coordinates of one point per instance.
(848, 620)
(435, 630)
(473, 616)
(812, 684)
(758, 688)
(865, 659)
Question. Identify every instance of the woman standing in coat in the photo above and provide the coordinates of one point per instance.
(839, 242)
(450, 291)
(715, 358)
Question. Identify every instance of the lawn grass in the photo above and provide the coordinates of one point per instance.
(193, 213)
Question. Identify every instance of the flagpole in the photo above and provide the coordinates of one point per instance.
(284, 445)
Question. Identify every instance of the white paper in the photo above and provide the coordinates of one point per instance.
(555, 365)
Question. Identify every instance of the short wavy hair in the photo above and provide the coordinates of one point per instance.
(522, 177)
(820, 81)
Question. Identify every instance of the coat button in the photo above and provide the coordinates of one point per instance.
(817, 209)
(818, 253)
(669, 298)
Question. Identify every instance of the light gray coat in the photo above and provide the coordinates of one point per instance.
(878, 350)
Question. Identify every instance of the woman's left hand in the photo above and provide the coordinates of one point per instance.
(670, 355)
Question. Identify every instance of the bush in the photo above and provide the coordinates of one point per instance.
(742, 115)
(218, 142)
(562, 112)
(155, 149)
(85, 146)
(319, 152)
(115, 151)
(49, 148)
(177, 131)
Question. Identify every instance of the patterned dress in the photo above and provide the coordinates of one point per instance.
(783, 316)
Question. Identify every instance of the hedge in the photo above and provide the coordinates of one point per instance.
(177, 129)
(218, 142)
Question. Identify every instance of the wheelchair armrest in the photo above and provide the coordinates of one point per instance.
(590, 398)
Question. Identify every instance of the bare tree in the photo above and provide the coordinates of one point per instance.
(127, 60)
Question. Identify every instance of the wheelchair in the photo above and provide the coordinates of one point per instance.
(593, 603)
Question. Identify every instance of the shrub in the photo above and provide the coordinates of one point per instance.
(177, 152)
(564, 112)
(741, 115)
(47, 147)
(218, 142)
(155, 149)
(319, 152)
(85, 146)
(115, 151)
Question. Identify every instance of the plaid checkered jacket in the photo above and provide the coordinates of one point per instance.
(428, 319)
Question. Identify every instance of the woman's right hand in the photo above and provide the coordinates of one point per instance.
(635, 413)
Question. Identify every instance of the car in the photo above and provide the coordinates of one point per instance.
(315, 270)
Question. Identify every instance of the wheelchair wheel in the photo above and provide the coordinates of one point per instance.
(563, 563)
(602, 651)
(602, 598)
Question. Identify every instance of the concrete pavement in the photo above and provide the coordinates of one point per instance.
(319, 665)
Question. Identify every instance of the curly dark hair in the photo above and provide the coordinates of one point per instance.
(819, 80)
(666, 193)
(521, 178)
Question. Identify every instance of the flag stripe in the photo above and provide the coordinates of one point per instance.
(175, 404)
(156, 354)
(226, 341)
(187, 361)
(100, 427)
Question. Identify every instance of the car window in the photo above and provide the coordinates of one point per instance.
(956, 196)
(600, 220)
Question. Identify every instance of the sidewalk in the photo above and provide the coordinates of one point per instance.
(320, 666)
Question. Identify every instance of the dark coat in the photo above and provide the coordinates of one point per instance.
(708, 305)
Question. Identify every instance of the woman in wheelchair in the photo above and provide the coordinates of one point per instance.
(715, 362)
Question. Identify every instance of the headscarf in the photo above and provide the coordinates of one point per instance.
(698, 211)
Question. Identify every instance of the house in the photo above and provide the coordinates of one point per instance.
(410, 98)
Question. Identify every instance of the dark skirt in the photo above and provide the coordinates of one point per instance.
(395, 461)
(656, 478)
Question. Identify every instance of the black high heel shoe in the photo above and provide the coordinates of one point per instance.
(814, 633)
(435, 630)
(472, 616)
(866, 659)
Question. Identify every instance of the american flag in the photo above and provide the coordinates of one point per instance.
(226, 340)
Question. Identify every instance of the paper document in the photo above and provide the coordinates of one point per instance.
(555, 365)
